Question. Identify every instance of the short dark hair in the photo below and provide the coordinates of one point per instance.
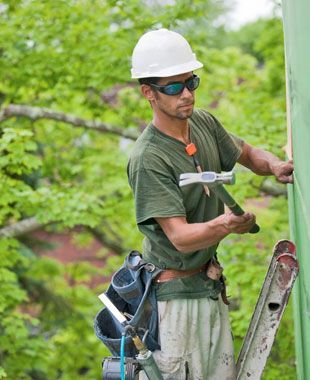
(149, 81)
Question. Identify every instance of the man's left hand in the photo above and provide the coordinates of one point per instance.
(283, 171)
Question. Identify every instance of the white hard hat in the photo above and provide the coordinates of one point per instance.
(162, 53)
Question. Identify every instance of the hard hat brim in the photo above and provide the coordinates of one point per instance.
(168, 72)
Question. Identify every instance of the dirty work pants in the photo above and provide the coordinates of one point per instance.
(196, 341)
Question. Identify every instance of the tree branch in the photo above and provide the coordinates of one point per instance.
(20, 228)
(31, 224)
(272, 188)
(106, 241)
(36, 113)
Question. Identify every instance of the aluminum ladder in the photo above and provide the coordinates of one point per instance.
(269, 309)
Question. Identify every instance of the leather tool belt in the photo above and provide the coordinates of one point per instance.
(213, 270)
(171, 274)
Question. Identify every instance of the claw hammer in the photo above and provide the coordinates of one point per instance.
(215, 182)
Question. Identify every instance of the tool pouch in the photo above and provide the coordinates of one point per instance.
(131, 292)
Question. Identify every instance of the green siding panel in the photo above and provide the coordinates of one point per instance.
(296, 16)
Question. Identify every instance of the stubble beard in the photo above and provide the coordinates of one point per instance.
(183, 115)
(178, 114)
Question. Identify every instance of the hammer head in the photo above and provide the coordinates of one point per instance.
(208, 178)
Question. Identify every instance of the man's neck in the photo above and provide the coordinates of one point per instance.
(177, 128)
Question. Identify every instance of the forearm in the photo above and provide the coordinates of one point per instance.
(191, 237)
(195, 236)
(259, 161)
(265, 163)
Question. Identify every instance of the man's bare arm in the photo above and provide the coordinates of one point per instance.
(190, 237)
(265, 163)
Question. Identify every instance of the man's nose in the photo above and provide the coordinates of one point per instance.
(186, 93)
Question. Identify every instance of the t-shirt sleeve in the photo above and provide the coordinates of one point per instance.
(229, 145)
(156, 195)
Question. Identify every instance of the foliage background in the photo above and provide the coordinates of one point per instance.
(74, 57)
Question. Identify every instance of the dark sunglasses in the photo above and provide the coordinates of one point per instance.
(177, 88)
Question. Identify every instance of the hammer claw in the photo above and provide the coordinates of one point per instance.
(187, 181)
(190, 176)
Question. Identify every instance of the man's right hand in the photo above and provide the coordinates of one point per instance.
(238, 224)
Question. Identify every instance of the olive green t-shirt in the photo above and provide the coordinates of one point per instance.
(154, 169)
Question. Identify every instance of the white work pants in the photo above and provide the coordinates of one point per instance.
(196, 341)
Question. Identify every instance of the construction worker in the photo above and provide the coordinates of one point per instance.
(183, 226)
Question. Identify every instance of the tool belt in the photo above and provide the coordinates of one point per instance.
(171, 274)
(213, 270)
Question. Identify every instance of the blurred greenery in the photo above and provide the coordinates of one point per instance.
(74, 57)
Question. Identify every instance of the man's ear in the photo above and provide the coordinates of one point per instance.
(147, 92)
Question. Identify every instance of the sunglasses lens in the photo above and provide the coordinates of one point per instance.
(174, 89)
(192, 83)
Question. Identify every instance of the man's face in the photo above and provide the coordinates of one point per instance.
(176, 106)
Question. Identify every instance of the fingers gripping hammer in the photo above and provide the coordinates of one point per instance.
(215, 182)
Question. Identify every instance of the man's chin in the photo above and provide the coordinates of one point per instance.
(185, 114)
